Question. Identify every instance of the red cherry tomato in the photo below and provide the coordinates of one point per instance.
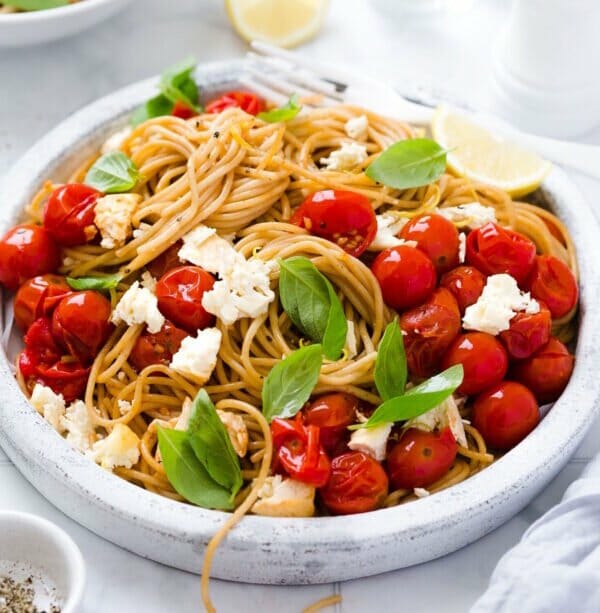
(40, 346)
(547, 372)
(429, 329)
(37, 298)
(495, 250)
(81, 323)
(357, 484)
(69, 214)
(26, 251)
(183, 111)
(247, 101)
(166, 261)
(157, 348)
(437, 237)
(553, 282)
(527, 333)
(484, 361)
(66, 377)
(420, 458)
(345, 218)
(179, 294)
(332, 413)
(406, 276)
(505, 414)
(466, 284)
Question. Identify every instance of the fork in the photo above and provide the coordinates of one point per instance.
(276, 74)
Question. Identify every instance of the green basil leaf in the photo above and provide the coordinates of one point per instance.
(311, 303)
(155, 107)
(95, 283)
(290, 383)
(112, 173)
(284, 113)
(211, 444)
(408, 163)
(35, 5)
(177, 84)
(187, 474)
(390, 368)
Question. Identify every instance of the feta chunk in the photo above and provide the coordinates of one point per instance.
(280, 497)
(78, 423)
(120, 448)
(113, 214)
(445, 414)
(138, 305)
(470, 215)
(198, 356)
(351, 345)
(462, 247)
(124, 406)
(237, 430)
(357, 127)
(388, 226)
(114, 141)
(183, 421)
(148, 281)
(372, 441)
(421, 492)
(141, 230)
(499, 302)
(49, 404)
(347, 157)
(205, 248)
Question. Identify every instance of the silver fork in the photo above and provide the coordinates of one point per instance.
(276, 74)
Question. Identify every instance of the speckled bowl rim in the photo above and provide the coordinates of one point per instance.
(284, 550)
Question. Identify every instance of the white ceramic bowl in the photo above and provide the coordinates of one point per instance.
(287, 550)
(32, 546)
(34, 27)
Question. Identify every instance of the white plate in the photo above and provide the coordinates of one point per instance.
(282, 550)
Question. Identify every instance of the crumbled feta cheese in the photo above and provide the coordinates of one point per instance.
(357, 127)
(113, 218)
(78, 423)
(198, 356)
(445, 414)
(372, 441)
(388, 226)
(280, 497)
(141, 230)
(114, 141)
(347, 157)
(124, 406)
(120, 448)
(499, 302)
(68, 261)
(237, 430)
(138, 305)
(470, 215)
(49, 404)
(148, 281)
(421, 492)
(351, 345)
(205, 248)
(183, 420)
(462, 247)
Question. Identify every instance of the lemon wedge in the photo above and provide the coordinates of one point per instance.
(284, 23)
(478, 155)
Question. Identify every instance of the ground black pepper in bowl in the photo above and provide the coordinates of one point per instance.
(19, 597)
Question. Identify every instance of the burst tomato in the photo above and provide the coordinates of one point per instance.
(332, 414)
(37, 298)
(527, 333)
(553, 282)
(466, 284)
(183, 111)
(166, 261)
(156, 348)
(247, 101)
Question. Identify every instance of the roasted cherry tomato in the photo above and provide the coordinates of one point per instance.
(357, 484)
(428, 330)
(166, 261)
(495, 250)
(466, 284)
(40, 346)
(332, 413)
(26, 250)
(183, 111)
(157, 348)
(406, 276)
(345, 218)
(179, 292)
(527, 333)
(484, 361)
(420, 458)
(505, 414)
(247, 101)
(38, 297)
(553, 282)
(437, 237)
(67, 377)
(69, 214)
(81, 323)
(547, 372)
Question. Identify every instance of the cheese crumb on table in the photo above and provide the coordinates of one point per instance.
(113, 215)
(280, 497)
(469, 215)
(120, 448)
(372, 441)
(138, 305)
(198, 356)
(348, 157)
(357, 127)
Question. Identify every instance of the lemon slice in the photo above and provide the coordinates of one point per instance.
(479, 155)
(282, 23)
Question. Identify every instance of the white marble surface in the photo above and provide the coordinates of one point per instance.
(40, 86)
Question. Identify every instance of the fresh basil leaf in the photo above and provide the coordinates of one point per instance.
(211, 444)
(284, 113)
(155, 107)
(417, 400)
(390, 368)
(187, 474)
(177, 84)
(408, 163)
(35, 5)
(95, 283)
(112, 173)
(290, 383)
(311, 303)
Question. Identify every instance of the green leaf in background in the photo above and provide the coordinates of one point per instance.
(35, 5)
(290, 383)
(390, 368)
(155, 107)
(284, 113)
(95, 283)
(112, 173)
(408, 163)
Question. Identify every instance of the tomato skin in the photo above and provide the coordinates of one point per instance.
(179, 292)
(332, 414)
(466, 284)
(428, 331)
(420, 458)
(38, 297)
(247, 101)
(527, 333)
(484, 361)
(69, 214)
(166, 261)
(505, 414)
(437, 237)
(183, 111)
(494, 250)
(156, 348)
(406, 276)
(357, 484)
(26, 251)
(342, 217)
(40, 345)
(547, 372)
(553, 282)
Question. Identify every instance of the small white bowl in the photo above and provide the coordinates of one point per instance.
(34, 547)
